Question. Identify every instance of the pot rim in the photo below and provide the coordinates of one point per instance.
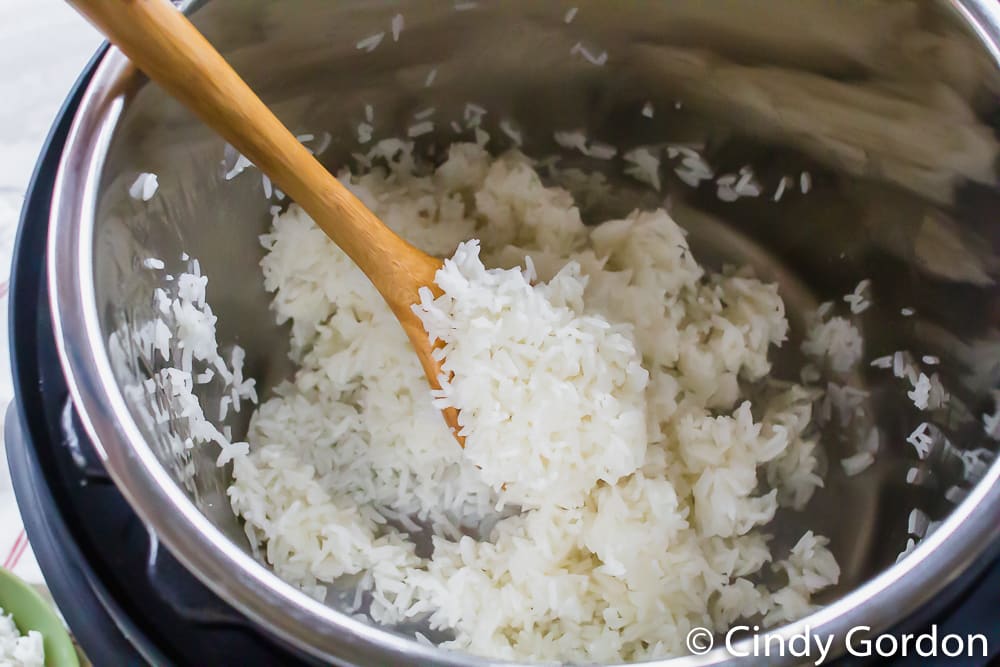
(255, 590)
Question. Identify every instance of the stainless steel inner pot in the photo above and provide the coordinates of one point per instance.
(890, 107)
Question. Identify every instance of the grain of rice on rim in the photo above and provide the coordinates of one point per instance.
(644, 166)
(325, 139)
(780, 190)
(371, 42)
(922, 440)
(591, 57)
(144, 187)
(693, 168)
(858, 300)
(239, 166)
(835, 340)
(507, 127)
(955, 494)
(858, 463)
(882, 362)
(910, 546)
(601, 151)
(420, 129)
(473, 114)
(364, 131)
(917, 522)
(396, 26)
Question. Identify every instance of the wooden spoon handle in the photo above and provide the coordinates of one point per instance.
(172, 52)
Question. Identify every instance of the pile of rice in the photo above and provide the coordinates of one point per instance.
(19, 650)
(550, 399)
(617, 482)
(601, 377)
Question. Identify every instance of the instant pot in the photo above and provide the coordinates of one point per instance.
(891, 108)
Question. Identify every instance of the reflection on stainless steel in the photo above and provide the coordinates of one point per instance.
(921, 136)
(889, 106)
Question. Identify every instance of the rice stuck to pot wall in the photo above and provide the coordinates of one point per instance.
(608, 498)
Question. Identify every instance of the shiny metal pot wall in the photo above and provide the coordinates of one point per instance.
(889, 107)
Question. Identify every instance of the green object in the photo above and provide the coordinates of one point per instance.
(32, 612)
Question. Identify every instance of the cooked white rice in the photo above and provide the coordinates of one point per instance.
(591, 56)
(370, 43)
(835, 340)
(991, 420)
(805, 182)
(922, 439)
(858, 463)
(643, 164)
(239, 163)
(396, 25)
(19, 650)
(180, 342)
(917, 523)
(602, 377)
(693, 169)
(858, 299)
(144, 187)
(420, 129)
(955, 494)
(779, 191)
(508, 128)
(633, 542)
(882, 362)
(513, 351)
(920, 395)
(928, 393)
(576, 139)
(473, 114)
(364, 132)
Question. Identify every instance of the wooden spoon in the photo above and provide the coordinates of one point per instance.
(169, 49)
